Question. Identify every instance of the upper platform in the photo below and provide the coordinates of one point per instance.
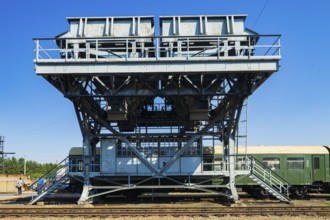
(198, 67)
(129, 45)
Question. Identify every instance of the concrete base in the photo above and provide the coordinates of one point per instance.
(84, 198)
(8, 182)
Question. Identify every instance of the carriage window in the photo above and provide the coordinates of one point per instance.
(272, 163)
(241, 163)
(316, 163)
(80, 165)
(212, 164)
(295, 163)
(217, 164)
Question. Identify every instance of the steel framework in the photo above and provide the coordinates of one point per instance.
(146, 91)
(3, 153)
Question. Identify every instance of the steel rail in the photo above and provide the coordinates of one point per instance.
(165, 211)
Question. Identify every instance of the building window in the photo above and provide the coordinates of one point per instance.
(148, 149)
(272, 163)
(295, 163)
(158, 147)
(168, 147)
(193, 150)
(124, 151)
(80, 165)
(316, 163)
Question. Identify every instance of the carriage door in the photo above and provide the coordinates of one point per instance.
(318, 169)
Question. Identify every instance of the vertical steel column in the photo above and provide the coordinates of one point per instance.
(230, 124)
(232, 162)
(87, 152)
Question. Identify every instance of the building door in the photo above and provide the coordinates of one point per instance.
(318, 167)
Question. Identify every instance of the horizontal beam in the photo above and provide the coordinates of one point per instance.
(144, 92)
(153, 66)
(183, 186)
(168, 174)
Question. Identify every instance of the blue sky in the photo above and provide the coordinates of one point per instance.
(291, 108)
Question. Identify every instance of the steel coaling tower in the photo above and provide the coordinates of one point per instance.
(156, 102)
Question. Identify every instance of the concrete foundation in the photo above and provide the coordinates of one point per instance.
(8, 182)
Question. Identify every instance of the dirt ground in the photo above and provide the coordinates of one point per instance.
(198, 218)
(197, 204)
(243, 203)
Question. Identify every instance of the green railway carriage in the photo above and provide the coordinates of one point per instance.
(306, 168)
(76, 160)
(76, 167)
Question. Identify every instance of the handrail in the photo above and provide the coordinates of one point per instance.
(154, 36)
(51, 171)
(125, 48)
(272, 45)
(269, 177)
(267, 168)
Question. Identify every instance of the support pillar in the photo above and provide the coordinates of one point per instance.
(87, 152)
(232, 162)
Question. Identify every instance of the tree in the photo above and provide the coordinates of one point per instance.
(33, 168)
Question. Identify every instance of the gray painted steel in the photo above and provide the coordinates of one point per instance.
(155, 102)
(157, 67)
(109, 26)
(202, 25)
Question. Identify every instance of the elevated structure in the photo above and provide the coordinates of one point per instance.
(155, 102)
(3, 153)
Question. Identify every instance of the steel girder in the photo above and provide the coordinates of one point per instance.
(201, 96)
(86, 94)
(128, 88)
(92, 94)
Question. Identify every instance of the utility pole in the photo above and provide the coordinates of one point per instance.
(2, 141)
(24, 166)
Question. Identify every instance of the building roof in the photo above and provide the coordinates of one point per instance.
(78, 151)
(278, 150)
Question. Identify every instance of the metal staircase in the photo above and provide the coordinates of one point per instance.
(262, 175)
(269, 180)
(55, 178)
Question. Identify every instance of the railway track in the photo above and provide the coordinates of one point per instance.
(165, 211)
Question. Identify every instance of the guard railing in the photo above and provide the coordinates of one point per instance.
(53, 175)
(158, 48)
(269, 177)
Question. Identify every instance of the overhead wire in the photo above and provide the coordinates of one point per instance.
(52, 123)
(262, 10)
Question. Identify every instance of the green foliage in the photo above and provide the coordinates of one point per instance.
(16, 166)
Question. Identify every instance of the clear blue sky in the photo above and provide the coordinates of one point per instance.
(291, 108)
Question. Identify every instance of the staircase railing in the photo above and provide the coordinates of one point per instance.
(53, 175)
(269, 177)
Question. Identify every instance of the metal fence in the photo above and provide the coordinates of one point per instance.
(158, 48)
